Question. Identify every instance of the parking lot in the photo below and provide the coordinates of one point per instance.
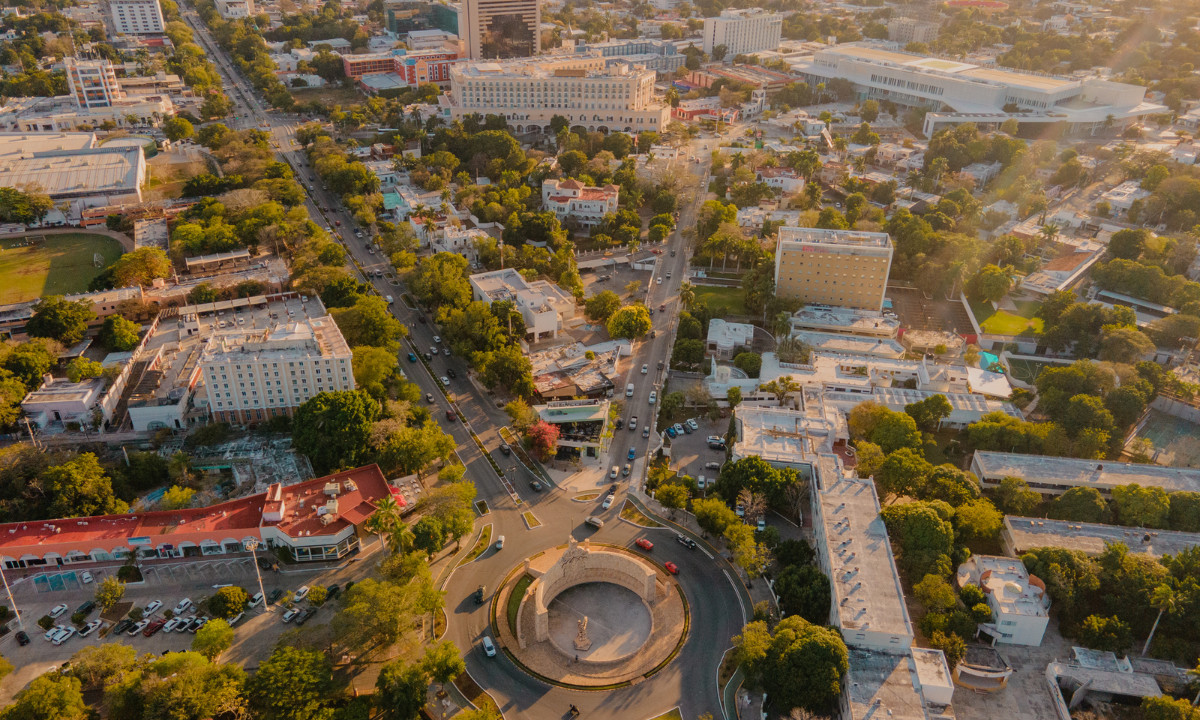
(167, 582)
(690, 453)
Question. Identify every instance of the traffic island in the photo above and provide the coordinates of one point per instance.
(590, 617)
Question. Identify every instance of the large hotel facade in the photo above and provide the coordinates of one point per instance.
(833, 267)
(528, 93)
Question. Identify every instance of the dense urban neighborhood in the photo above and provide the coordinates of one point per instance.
(655, 360)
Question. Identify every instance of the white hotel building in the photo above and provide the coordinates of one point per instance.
(743, 31)
(960, 92)
(529, 92)
(136, 17)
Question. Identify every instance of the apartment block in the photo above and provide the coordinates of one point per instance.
(93, 83)
(500, 29)
(743, 31)
(572, 199)
(529, 93)
(136, 17)
(833, 267)
(909, 30)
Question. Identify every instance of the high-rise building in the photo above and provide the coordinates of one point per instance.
(136, 17)
(529, 93)
(905, 30)
(846, 268)
(500, 29)
(92, 83)
(743, 31)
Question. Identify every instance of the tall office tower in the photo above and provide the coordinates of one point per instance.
(93, 83)
(499, 29)
(136, 17)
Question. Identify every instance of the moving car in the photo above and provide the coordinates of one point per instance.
(412, 357)
(633, 423)
(433, 351)
(685, 541)
(671, 567)
(645, 368)
(762, 524)
(505, 450)
(631, 454)
(626, 470)
(646, 431)
(653, 396)
(612, 474)
(660, 364)
(437, 339)
(429, 398)
(479, 595)
(594, 522)
(644, 544)
(537, 486)
(608, 501)
(500, 543)
(450, 415)
(712, 466)
(489, 647)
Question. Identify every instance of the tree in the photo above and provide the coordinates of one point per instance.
(118, 334)
(79, 488)
(109, 592)
(441, 281)
(521, 415)
(1105, 633)
(930, 412)
(410, 448)
(894, 431)
(509, 368)
(443, 662)
(81, 368)
(228, 601)
(936, 594)
(1014, 497)
(543, 439)
(334, 429)
(96, 665)
(1125, 345)
(600, 307)
(1165, 600)
(1146, 507)
(400, 690)
(1185, 511)
(140, 267)
(672, 496)
(25, 208)
(713, 515)
(369, 322)
(902, 473)
(990, 284)
(749, 363)
(951, 485)
(293, 683)
(177, 129)
(953, 646)
(923, 536)
(798, 665)
(374, 614)
(977, 520)
(629, 322)
(374, 368)
(1128, 243)
(429, 535)
(49, 697)
(177, 497)
(804, 590)
(734, 396)
(213, 639)
(60, 319)
(1080, 504)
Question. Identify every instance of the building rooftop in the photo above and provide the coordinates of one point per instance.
(780, 435)
(1025, 533)
(572, 411)
(845, 320)
(297, 504)
(855, 238)
(866, 587)
(1102, 475)
(882, 685)
(1015, 591)
(71, 172)
(952, 68)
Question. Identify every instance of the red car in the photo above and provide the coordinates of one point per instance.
(671, 567)
(154, 627)
(644, 544)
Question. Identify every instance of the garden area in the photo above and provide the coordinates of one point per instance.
(722, 300)
(1005, 322)
(58, 264)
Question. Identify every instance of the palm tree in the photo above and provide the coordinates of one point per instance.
(687, 294)
(1163, 599)
(1048, 233)
(386, 521)
(783, 323)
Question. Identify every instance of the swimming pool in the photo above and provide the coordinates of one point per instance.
(987, 359)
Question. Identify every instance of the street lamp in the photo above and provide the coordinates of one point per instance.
(7, 589)
(252, 545)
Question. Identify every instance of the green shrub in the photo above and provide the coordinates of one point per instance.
(45, 622)
(971, 595)
(79, 618)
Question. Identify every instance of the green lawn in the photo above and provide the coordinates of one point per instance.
(731, 298)
(60, 266)
(514, 600)
(1003, 322)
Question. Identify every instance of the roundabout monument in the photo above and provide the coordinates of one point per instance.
(590, 616)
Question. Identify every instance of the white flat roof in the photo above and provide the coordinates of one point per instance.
(1069, 472)
(780, 435)
(1025, 533)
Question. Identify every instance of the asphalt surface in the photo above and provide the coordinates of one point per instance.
(690, 681)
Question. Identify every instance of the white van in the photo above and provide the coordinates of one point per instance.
(629, 390)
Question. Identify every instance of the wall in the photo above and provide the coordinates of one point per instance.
(1177, 408)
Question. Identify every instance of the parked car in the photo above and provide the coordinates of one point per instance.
(678, 429)
(85, 577)
(433, 351)
(691, 423)
(671, 567)
(608, 501)
(256, 600)
(450, 415)
(446, 381)
(619, 423)
(22, 638)
(332, 591)
(65, 636)
(436, 339)
(306, 615)
(183, 606)
(712, 466)
(489, 647)
(291, 614)
(87, 607)
(300, 594)
(139, 626)
(154, 627)
(671, 432)
(236, 619)
(761, 524)
(58, 610)
(174, 623)
(660, 364)
(644, 544)
(274, 596)
(450, 371)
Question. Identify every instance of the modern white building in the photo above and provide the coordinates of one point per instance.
(136, 17)
(235, 9)
(1123, 196)
(545, 306)
(726, 337)
(1019, 602)
(961, 92)
(93, 83)
(1055, 475)
(572, 199)
(268, 362)
(72, 167)
(743, 31)
(529, 93)
(582, 426)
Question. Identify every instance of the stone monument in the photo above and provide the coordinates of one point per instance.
(582, 642)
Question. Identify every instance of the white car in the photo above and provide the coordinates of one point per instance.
(608, 501)
(86, 577)
(446, 381)
(174, 623)
(489, 647)
(183, 606)
(64, 636)
(90, 628)
(433, 351)
(691, 422)
(138, 628)
(612, 474)
(256, 600)
(53, 631)
(436, 339)
(152, 607)
(300, 594)
(58, 610)
(291, 614)
(658, 280)
(653, 396)
(645, 369)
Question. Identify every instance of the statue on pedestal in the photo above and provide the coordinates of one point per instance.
(582, 642)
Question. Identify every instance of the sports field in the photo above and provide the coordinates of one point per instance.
(1174, 439)
(1003, 322)
(52, 265)
(730, 298)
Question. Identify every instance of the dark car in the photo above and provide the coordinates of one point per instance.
(122, 627)
(332, 591)
(306, 616)
(479, 595)
(421, 319)
(22, 638)
(274, 596)
(620, 423)
(685, 541)
(505, 449)
(427, 357)
(87, 607)
(450, 415)
(450, 372)
(154, 627)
